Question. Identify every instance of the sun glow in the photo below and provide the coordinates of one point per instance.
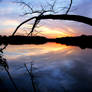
(56, 32)
(51, 32)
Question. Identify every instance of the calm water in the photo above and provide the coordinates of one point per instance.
(56, 68)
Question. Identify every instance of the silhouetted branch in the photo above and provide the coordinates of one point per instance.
(22, 24)
(31, 76)
(38, 11)
(1, 49)
(34, 25)
(3, 63)
(69, 7)
(11, 79)
(77, 18)
(26, 4)
(56, 17)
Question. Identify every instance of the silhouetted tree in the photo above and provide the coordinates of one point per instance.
(50, 13)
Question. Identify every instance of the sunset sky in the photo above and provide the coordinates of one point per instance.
(10, 18)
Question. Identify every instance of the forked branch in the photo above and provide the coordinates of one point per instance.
(77, 18)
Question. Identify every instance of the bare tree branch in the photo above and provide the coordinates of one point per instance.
(22, 24)
(31, 76)
(27, 5)
(77, 18)
(69, 7)
(35, 23)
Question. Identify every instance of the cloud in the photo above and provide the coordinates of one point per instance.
(7, 26)
(10, 23)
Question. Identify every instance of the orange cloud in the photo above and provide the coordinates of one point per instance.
(56, 32)
(10, 25)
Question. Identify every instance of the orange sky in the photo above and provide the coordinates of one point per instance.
(56, 32)
(47, 31)
(10, 19)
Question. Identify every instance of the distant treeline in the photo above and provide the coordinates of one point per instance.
(83, 41)
(22, 39)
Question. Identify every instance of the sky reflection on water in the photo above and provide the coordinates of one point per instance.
(56, 67)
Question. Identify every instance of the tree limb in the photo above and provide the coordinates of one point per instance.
(34, 25)
(22, 24)
(77, 18)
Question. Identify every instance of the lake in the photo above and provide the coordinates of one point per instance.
(55, 68)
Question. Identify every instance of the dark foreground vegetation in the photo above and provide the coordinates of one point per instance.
(83, 41)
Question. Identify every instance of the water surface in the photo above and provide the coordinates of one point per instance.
(56, 68)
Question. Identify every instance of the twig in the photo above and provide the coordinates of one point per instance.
(11, 79)
(34, 25)
(69, 7)
(22, 24)
(31, 76)
(3, 63)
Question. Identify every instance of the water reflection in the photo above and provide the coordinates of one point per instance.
(16, 51)
(56, 67)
